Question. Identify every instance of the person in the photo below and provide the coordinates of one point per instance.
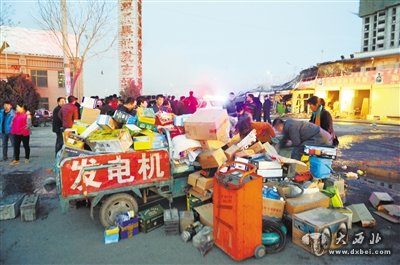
(106, 108)
(258, 109)
(230, 105)
(300, 133)
(174, 104)
(321, 117)
(181, 107)
(191, 103)
(167, 107)
(57, 124)
(129, 106)
(267, 105)
(68, 113)
(249, 106)
(159, 106)
(78, 106)
(20, 128)
(142, 104)
(6, 117)
(243, 125)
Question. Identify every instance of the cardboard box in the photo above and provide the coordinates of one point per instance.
(207, 124)
(111, 235)
(204, 184)
(264, 164)
(257, 147)
(180, 119)
(273, 208)
(106, 122)
(149, 112)
(144, 140)
(306, 202)
(89, 115)
(132, 128)
(206, 214)
(270, 173)
(193, 177)
(147, 120)
(245, 153)
(73, 152)
(212, 158)
(75, 142)
(186, 218)
(159, 141)
(317, 221)
(380, 198)
(80, 126)
(89, 103)
(231, 151)
(390, 212)
(68, 132)
(89, 130)
(121, 116)
(146, 126)
(129, 231)
(212, 144)
(114, 141)
(361, 214)
(241, 166)
(164, 118)
(234, 140)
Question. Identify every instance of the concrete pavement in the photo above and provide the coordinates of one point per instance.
(73, 238)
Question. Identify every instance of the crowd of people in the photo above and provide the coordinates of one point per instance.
(245, 116)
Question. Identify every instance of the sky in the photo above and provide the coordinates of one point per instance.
(214, 47)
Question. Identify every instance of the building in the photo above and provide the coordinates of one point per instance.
(381, 24)
(37, 54)
(366, 85)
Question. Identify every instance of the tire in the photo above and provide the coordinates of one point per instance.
(259, 252)
(115, 204)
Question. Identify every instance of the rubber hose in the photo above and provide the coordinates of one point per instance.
(272, 226)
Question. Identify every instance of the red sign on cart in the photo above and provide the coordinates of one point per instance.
(85, 175)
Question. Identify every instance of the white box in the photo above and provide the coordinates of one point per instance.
(268, 164)
(10, 206)
(270, 173)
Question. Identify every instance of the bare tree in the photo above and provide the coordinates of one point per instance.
(6, 14)
(89, 24)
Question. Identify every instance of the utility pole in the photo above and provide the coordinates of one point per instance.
(67, 71)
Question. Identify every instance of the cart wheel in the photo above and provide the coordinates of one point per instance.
(115, 204)
(259, 252)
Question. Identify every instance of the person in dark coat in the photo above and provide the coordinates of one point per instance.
(267, 105)
(243, 126)
(57, 124)
(321, 117)
(129, 106)
(106, 108)
(258, 109)
(249, 106)
(230, 105)
(300, 133)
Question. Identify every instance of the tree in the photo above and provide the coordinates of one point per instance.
(89, 22)
(133, 90)
(6, 14)
(19, 90)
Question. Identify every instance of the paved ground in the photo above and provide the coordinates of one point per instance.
(73, 238)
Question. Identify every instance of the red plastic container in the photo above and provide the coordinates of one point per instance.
(237, 212)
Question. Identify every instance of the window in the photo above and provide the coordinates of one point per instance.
(39, 77)
(44, 103)
(366, 20)
(380, 45)
(61, 79)
(365, 49)
(366, 35)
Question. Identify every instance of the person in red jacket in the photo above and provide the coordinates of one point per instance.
(68, 113)
(20, 129)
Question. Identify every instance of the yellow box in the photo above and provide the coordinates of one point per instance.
(80, 126)
(148, 120)
(144, 140)
(112, 230)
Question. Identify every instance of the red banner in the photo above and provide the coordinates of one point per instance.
(84, 175)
